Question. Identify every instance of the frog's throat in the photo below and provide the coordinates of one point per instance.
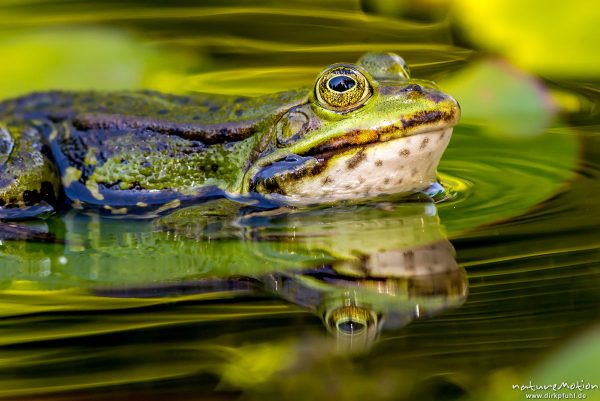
(351, 141)
(402, 165)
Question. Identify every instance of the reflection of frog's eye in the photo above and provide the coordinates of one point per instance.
(350, 320)
(342, 88)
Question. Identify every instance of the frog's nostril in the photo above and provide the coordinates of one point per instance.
(413, 88)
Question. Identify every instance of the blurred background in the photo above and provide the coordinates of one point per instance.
(489, 54)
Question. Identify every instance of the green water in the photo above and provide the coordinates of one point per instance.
(121, 309)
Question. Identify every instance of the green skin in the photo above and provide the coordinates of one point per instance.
(148, 152)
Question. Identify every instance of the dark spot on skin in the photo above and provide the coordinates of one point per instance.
(409, 260)
(327, 180)
(423, 117)
(267, 185)
(387, 129)
(163, 111)
(112, 184)
(183, 100)
(424, 143)
(357, 159)
(414, 172)
(442, 136)
(75, 148)
(364, 261)
(207, 134)
(47, 192)
(31, 197)
(404, 152)
(347, 186)
(400, 181)
(379, 163)
(136, 186)
(436, 97)
(361, 180)
(386, 181)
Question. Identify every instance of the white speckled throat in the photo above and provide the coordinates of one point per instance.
(406, 164)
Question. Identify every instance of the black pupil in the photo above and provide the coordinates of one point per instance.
(350, 327)
(341, 83)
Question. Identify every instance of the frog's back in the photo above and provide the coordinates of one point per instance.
(197, 111)
(128, 150)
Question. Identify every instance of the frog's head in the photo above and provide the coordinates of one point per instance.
(367, 129)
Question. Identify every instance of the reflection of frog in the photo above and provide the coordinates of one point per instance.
(389, 268)
(362, 131)
(360, 268)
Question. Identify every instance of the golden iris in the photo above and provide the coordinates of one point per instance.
(342, 88)
(350, 320)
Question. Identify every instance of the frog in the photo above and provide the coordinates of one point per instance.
(363, 130)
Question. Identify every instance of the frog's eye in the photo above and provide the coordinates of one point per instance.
(342, 88)
(351, 320)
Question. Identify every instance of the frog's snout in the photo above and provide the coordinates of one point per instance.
(422, 104)
(454, 111)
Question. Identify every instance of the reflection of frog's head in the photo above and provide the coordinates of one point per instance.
(378, 266)
(366, 129)
(384, 290)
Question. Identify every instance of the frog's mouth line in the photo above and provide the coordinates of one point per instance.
(426, 122)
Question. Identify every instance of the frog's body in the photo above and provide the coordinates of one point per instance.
(364, 130)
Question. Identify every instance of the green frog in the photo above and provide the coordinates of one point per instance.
(363, 130)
